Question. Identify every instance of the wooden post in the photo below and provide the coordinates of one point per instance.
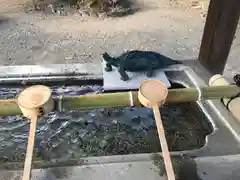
(219, 31)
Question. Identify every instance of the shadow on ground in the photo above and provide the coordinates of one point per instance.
(3, 20)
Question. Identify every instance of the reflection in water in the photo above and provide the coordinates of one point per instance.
(101, 131)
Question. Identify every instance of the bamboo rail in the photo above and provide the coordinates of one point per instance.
(9, 107)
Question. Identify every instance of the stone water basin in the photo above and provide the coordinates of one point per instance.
(117, 143)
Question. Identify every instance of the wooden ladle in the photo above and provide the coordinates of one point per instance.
(34, 102)
(152, 94)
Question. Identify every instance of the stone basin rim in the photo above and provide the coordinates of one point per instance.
(225, 126)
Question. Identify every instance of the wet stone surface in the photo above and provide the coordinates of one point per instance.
(113, 131)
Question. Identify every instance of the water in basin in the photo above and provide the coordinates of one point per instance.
(101, 132)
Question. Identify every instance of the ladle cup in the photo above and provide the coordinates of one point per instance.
(34, 102)
(152, 94)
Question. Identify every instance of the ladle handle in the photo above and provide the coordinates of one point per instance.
(163, 142)
(30, 146)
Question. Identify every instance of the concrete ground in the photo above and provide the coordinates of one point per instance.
(173, 28)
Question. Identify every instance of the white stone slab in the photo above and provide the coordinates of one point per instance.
(112, 81)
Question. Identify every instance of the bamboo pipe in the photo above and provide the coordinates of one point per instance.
(9, 107)
(233, 104)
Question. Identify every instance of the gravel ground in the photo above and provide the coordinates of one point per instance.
(36, 38)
